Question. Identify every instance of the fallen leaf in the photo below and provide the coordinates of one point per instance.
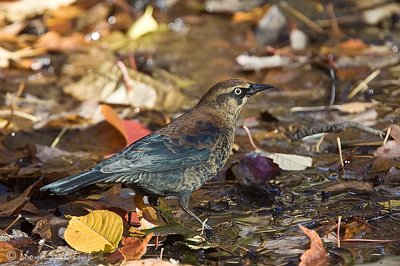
(395, 132)
(255, 168)
(47, 227)
(53, 41)
(253, 15)
(8, 253)
(390, 150)
(290, 162)
(150, 262)
(390, 203)
(198, 242)
(133, 249)
(129, 129)
(316, 255)
(355, 107)
(356, 230)
(98, 231)
(353, 44)
(144, 25)
(22, 9)
(14, 206)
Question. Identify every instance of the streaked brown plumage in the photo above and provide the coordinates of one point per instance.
(179, 158)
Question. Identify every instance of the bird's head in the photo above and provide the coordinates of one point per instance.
(231, 95)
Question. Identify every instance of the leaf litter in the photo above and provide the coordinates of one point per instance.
(82, 80)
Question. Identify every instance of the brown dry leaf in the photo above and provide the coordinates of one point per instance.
(53, 41)
(133, 249)
(8, 253)
(98, 231)
(61, 20)
(395, 132)
(353, 44)
(14, 206)
(390, 150)
(355, 107)
(353, 185)
(22, 9)
(316, 255)
(355, 229)
(253, 15)
(150, 262)
(47, 227)
(150, 214)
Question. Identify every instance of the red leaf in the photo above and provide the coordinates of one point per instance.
(131, 130)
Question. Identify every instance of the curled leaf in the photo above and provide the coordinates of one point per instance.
(133, 248)
(145, 24)
(316, 254)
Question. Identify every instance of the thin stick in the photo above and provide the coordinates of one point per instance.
(318, 145)
(250, 137)
(387, 135)
(338, 231)
(363, 85)
(339, 143)
(13, 103)
(20, 114)
(334, 128)
(301, 17)
(58, 138)
(10, 225)
(125, 75)
(332, 18)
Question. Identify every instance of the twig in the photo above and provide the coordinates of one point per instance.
(13, 103)
(59, 136)
(318, 144)
(20, 114)
(250, 137)
(339, 143)
(2, 232)
(387, 135)
(333, 87)
(125, 75)
(363, 84)
(336, 32)
(338, 231)
(302, 17)
(334, 128)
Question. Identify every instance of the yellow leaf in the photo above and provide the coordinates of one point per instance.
(390, 203)
(145, 24)
(98, 231)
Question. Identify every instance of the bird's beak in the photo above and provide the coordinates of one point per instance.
(254, 88)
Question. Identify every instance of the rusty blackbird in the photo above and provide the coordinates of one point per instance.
(178, 158)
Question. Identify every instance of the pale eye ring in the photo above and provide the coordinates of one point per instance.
(238, 91)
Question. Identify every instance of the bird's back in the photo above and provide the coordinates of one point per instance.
(176, 159)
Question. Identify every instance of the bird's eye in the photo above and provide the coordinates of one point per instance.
(238, 91)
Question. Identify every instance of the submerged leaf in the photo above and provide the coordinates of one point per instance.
(98, 231)
(256, 167)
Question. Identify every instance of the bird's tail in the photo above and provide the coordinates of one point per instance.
(74, 182)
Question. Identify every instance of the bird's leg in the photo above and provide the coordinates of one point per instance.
(184, 203)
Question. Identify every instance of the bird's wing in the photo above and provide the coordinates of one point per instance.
(158, 153)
